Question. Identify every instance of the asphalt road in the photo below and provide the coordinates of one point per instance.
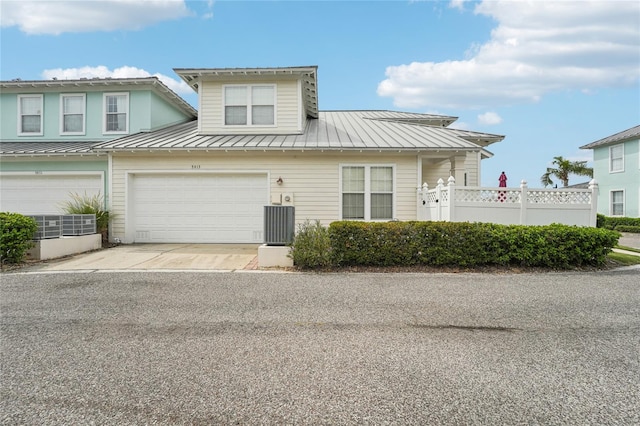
(272, 348)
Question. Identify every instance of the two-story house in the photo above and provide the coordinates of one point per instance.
(261, 139)
(616, 168)
(49, 126)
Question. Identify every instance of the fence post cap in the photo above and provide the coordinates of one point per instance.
(451, 180)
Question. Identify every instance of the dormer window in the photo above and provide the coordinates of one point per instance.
(30, 115)
(249, 105)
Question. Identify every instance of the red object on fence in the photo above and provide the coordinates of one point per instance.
(502, 195)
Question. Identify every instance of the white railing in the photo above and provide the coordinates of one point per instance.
(508, 206)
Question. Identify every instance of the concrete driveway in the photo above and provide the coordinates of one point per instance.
(131, 257)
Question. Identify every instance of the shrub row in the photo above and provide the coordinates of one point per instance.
(16, 235)
(622, 224)
(463, 244)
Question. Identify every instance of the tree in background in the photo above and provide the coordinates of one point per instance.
(563, 168)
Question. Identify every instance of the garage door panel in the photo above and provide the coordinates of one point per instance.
(46, 193)
(204, 208)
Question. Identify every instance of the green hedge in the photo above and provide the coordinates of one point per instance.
(467, 244)
(16, 235)
(622, 224)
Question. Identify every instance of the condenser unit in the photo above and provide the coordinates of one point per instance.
(78, 224)
(279, 225)
(49, 226)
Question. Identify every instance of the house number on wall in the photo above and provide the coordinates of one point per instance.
(195, 166)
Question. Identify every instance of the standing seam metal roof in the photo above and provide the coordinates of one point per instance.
(632, 133)
(333, 130)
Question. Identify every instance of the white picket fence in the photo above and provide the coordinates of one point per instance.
(508, 206)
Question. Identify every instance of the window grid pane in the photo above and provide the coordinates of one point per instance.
(381, 179)
(235, 96)
(116, 122)
(30, 106)
(262, 115)
(381, 206)
(235, 115)
(353, 179)
(262, 95)
(353, 206)
(30, 124)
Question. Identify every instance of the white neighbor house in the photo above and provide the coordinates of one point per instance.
(260, 139)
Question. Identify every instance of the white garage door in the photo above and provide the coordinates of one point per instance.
(44, 193)
(198, 208)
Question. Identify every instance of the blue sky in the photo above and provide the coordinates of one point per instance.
(550, 76)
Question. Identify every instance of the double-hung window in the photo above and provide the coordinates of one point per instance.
(251, 105)
(116, 112)
(617, 203)
(72, 107)
(30, 115)
(616, 158)
(367, 192)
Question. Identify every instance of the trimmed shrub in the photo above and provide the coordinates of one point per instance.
(628, 228)
(16, 236)
(614, 223)
(468, 244)
(311, 247)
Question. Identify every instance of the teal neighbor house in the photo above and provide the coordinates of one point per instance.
(616, 168)
(48, 129)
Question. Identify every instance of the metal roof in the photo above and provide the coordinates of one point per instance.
(333, 130)
(46, 148)
(307, 74)
(102, 83)
(625, 135)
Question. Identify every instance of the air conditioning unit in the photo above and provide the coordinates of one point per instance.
(78, 224)
(49, 226)
(279, 225)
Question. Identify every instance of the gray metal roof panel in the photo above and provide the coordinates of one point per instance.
(332, 130)
(46, 148)
(625, 135)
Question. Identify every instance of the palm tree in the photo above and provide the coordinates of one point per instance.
(563, 168)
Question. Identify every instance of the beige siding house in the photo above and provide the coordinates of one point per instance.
(260, 140)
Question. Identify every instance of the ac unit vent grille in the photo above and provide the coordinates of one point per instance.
(279, 225)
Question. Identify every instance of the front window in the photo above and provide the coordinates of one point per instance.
(616, 158)
(617, 203)
(249, 105)
(73, 113)
(30, 115)
(367, 192)
(116, 107)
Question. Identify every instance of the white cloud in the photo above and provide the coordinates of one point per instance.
(489, 118)
(57, 17)
(538, 47)
(101, 71)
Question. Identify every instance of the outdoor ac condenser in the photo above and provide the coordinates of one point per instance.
(279, 225)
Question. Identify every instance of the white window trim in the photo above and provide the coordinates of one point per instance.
(41, 132)
(624, 202)
(610, 158)
(104, 113)
(84, 113)
(367, 191)
(249, 104)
